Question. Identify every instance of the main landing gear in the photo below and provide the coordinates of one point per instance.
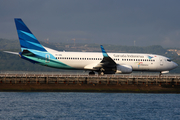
(101, 72)
(92, 73)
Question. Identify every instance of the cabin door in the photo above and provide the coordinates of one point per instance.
(47, 59)
(161, 61)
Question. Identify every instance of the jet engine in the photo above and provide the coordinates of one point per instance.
(124, 69)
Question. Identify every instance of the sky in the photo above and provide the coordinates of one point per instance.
(118, 22)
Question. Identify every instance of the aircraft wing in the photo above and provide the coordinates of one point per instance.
(106, 59)
(107, 64)
(27, 53)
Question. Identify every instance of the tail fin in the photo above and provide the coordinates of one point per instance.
(26, 38)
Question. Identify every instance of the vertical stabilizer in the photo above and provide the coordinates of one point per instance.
(26, 38)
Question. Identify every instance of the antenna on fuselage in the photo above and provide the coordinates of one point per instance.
(134, 43)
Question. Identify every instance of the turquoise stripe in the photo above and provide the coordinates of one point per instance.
(104, 52)
(29, 34)
(52, 62)
(36, 44)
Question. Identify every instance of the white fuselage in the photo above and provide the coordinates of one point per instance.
(139, 62)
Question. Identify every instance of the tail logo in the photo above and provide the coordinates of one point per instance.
(26, 38)
(139, 63)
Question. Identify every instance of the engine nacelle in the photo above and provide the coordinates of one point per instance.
(124, 69)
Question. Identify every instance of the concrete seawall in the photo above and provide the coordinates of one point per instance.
(85, 83)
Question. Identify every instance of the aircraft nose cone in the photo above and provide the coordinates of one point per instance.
(175, 65)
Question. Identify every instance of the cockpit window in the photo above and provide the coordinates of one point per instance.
(168, 60)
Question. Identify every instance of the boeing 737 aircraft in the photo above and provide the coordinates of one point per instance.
(103, 63)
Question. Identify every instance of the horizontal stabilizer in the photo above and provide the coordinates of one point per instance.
(27, 53)
(15, 53)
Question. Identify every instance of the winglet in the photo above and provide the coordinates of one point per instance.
(106, 58)
(104, 52)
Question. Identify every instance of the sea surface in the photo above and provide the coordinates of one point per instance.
(88, 106)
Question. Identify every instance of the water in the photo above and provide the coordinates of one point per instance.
(87, 106)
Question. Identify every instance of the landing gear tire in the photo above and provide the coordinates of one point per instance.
(160, 74)
(101, 73)
(91, 73)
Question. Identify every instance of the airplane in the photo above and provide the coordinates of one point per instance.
(100, 62)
